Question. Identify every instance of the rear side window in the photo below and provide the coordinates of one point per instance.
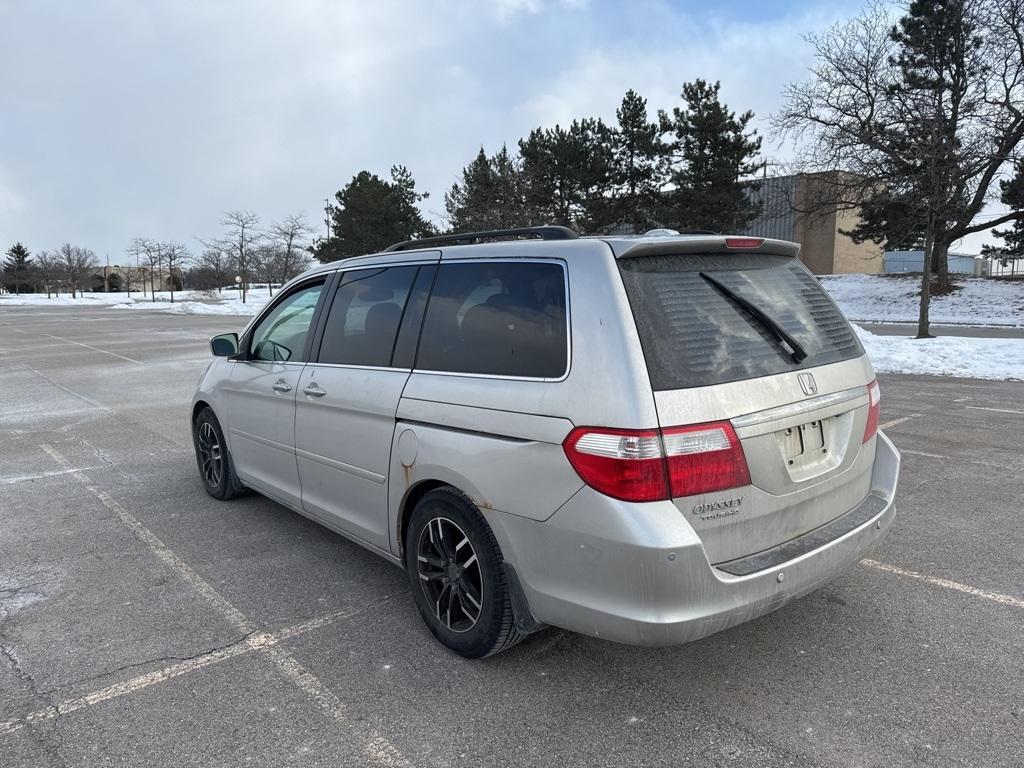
(694, 334)
(365, 315)
(497, 318)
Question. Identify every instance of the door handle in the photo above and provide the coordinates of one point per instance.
(282, 386)
(313, 390)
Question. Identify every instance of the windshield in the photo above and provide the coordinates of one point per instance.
(709, 319)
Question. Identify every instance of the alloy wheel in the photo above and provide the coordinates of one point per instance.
(211, 455)
(450, 574)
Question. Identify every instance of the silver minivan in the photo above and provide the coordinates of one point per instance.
(645, 439)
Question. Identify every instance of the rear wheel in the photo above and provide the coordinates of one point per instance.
(215, 467)
(458, 575)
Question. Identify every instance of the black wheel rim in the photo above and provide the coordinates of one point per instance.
(210, 454)
(450, 574)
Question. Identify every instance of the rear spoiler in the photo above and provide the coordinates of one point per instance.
(664, 246)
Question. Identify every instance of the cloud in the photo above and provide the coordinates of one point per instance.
(12, 206)
(124, 119)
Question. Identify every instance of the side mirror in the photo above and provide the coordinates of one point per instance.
(224, 345)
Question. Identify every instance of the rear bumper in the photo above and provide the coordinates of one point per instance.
(637, 573)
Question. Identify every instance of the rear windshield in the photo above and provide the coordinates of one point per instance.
(694, 334)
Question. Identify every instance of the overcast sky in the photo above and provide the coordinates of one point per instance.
(152, 117)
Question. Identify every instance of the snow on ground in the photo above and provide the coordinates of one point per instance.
(863, 298)
(185, 302)
(946, 356)
(199, 303)
(64, 300)
(894, 299)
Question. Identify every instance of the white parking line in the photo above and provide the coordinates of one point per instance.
(923, 453)
(41, 475)
(995, 597)
(257, 642)
(78, 343)
(997, 410)
(71, 392)
(894, 422)
(375, 746)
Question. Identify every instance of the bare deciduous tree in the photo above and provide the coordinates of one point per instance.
(217, 259)
(151, 252)
(176, 255)
(48, 270)
(916, 118)
(265, 264)
(290, 234)
(75, 262)
(243, 235)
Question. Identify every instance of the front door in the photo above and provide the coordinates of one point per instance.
(261, 394)
(348, 396)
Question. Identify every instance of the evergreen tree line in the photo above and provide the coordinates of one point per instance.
(689, 168)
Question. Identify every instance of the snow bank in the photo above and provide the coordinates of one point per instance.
(198, 304)
(185, 302)
(64, 300)
(892, 299)
(946, 356)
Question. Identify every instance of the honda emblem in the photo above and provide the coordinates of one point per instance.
(807, 384)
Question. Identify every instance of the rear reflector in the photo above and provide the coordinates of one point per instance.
(654, 465)
(874, 411)
(744, 242)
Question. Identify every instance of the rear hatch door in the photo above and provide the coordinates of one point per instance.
(751, 338)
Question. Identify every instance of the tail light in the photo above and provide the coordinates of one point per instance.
(874, 411)
(654, 465)
(704, 458)
(744, 242)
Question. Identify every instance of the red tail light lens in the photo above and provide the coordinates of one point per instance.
(744, 242)
(654, 465)
(874, 410)
(704, 458)
(623, 464)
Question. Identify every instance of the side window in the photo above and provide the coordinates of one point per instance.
(364, 317)
(281, 334)
(497, 318)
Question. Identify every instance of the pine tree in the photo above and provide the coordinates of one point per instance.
(714, 151)
(489, 196)
(639, 166)
(372, 213)
(17, 270)
(923, 109)
(1012, 195)
(567, 174)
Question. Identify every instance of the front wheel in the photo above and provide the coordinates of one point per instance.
(215, 467)
(458, 577)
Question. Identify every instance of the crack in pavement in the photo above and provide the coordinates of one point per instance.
(135, 664)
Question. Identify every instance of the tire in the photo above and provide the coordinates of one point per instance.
(216, 469)
(464, 601)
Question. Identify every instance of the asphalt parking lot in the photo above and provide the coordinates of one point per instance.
(144, 623)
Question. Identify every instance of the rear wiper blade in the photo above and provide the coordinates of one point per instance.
(796, 349)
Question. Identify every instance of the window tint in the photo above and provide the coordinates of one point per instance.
(693, 334)
(281, 335)
(409, 333)
(498, 318)
(364, 317)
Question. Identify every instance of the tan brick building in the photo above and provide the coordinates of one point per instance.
(116, 279)
(786, 202)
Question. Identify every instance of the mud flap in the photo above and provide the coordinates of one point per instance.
(521, 615)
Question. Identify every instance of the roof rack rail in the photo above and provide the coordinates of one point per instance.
(469, 238)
